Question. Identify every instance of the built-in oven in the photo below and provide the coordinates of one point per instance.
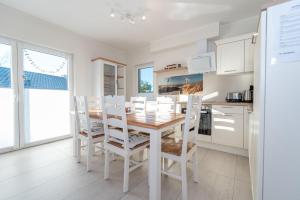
(205, 120)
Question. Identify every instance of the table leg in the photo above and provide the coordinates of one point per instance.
(155, 166)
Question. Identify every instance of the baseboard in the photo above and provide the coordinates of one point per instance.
(227, 149)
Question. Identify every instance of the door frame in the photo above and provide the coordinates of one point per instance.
(18, 88)
(20, 47)
(15, 88)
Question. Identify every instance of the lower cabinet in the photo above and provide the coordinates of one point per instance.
(228, 125)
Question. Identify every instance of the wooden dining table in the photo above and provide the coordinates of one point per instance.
(154, 124)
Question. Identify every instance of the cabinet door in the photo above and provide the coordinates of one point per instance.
(249, 55)
(109, 73)
(228, 130)
(231, 57)
(121, 80)
(246, 128)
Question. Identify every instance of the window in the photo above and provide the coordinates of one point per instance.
(145, 80)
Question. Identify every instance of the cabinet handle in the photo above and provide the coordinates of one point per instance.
(226, 107)
(233, 70)
(254, 36)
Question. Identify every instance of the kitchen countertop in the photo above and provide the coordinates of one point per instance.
(227, 103)
(224, 103)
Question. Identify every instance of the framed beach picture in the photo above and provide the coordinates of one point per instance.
(186, 84)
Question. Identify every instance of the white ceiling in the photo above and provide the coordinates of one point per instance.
(164, 17)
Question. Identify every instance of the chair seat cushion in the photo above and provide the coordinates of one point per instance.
(174, 146)
(95, 135)
(135, 141)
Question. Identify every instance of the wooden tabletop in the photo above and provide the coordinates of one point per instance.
(147, 120)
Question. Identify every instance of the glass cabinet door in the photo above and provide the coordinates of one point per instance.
(109, 79)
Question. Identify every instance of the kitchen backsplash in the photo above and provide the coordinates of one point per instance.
(216, 86)
(184, 84)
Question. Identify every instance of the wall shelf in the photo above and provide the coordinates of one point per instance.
(183, 69)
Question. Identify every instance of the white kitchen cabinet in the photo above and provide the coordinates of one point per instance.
(235, 55)
(108, 78)
(231, 57)
(228, 125)
(246, 128)
(249, 55)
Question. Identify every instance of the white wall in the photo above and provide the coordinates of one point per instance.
(18, 25)
(212, 82)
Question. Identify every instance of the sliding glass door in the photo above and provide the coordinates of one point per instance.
(45, 94)
(35, 94)
(8, 90)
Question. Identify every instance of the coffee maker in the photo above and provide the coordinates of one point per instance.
(248, 95)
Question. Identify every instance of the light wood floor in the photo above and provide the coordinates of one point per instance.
(51, 172)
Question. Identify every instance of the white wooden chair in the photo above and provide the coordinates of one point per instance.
(117, 138)
(167, 104)
(88, 130)
(138, 104)
(183, 150)
(94, 103)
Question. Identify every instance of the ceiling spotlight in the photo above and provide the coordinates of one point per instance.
(128, 16)
(131, 21)
(112, 14)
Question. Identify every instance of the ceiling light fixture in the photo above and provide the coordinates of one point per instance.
(128, 16)
(112, 13)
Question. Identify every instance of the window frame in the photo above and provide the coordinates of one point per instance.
(140, 67)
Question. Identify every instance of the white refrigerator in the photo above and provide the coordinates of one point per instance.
(274, 147)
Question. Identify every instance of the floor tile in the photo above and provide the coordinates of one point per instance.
(242, 190)
(51, 172)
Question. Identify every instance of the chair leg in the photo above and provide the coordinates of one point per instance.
(113, 157)
(184, 181)
(148, 157)
(195, 166)
(141, 156)
(90, 147)
(126, 174)
(78, 150)
(166, 163)
(106, 165)
(102, 147)
(93, 150)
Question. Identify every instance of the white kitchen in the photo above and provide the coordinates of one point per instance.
(149, 99)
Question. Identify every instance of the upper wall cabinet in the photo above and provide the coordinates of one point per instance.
(249, 55)
(235, 55)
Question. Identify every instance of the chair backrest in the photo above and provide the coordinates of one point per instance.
(94, 103)
(192, 121)
(115, 120)
(166, 104)
(82, 115)
(138, 104)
